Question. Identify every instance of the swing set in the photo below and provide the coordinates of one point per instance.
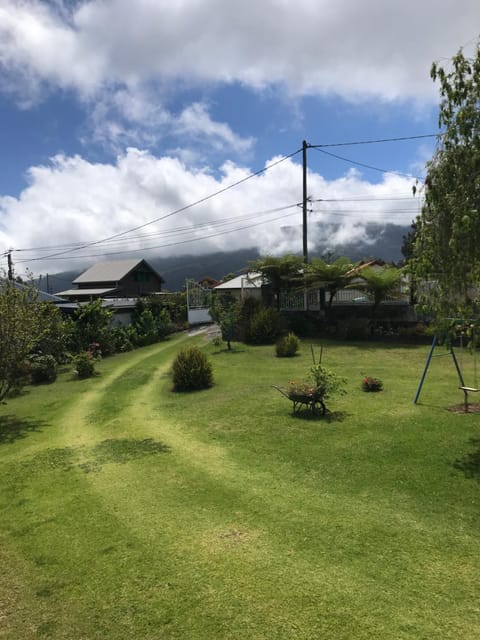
(459, 327)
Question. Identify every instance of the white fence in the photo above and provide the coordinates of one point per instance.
(310, 300)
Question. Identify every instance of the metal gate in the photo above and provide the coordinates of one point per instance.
(198, 303)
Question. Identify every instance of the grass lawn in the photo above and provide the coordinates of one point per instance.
(128, 511)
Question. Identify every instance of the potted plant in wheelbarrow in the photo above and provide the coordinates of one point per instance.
(321, 384)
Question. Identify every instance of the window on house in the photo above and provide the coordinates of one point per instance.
(141, 276)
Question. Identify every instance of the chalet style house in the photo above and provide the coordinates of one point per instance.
(115, 279)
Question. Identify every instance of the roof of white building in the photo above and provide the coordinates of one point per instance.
(244, 281)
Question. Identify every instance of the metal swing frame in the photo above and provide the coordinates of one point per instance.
(451, 351)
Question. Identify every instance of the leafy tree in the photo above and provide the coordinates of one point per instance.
(151, 320)
(58, 331)
(380, 284)
(331, 277)
(93, 325)
(281, 272)
(225, 310)
(447, 247)
(22, 326)
(229, 276)
(145, 328)
(176, 307)
(408, 252)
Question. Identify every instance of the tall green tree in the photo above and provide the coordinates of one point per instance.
(23, 324)
(446, 254)
(92, 325)
(225, 310)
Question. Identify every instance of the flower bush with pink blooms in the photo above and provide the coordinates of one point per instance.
(369, 383)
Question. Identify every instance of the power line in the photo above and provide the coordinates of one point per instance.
(162, 246)
(181, 230)
(70, 248)
(176, 211)
(170, 232)
(217, 223)
(363, 199)
(378, 141)
(366, 166)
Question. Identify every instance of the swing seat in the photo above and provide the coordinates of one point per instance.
(472, 389)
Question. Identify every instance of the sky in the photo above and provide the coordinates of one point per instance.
(139, 128)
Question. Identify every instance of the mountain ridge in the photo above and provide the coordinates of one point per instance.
(382, 241)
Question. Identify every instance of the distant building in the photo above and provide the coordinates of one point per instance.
(247, 284)
(115, 279)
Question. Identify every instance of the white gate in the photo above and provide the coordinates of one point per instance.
(198, 303)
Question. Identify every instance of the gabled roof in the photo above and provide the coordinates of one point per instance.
(109, 271)
(244, 281)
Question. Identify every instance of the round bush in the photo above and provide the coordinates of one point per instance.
(264, 326)
(43, 369)
(85, 365)
(191, 370)
(287, 346)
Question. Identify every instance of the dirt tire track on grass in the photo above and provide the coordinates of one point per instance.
(78, 429)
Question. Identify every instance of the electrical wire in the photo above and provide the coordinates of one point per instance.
(162, 246)
(68, 249)
(215, 223)
(176, 211)
(366, 166)
(174, 231)
(378, 141)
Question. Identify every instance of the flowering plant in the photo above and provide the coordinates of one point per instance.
(302, 390)
(94, 350)
(323, 383)
(370, 383)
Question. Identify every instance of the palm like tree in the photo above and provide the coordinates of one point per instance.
(280, 272)
(331, 277)
(380, 284)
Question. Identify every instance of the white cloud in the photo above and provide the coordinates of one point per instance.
(125, 117)
(195, 121)
(37, 43)
(75, 201)
(354, 49)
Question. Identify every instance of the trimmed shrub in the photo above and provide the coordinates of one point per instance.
(123, 338)
(287, 346)
(84, 365)
(191, 370)
(264, 327)
(43, 369)
(248, 307)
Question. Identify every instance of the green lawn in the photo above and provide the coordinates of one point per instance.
(127, 511)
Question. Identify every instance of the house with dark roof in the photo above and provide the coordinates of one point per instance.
(115, 279)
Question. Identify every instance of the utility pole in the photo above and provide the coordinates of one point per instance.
(304, 202)
(10, 266)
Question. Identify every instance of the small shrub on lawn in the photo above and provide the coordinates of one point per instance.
(84, 365)
(192, 370)
(43, 369)
(371, 384)
(287, 346)
(264, 326)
